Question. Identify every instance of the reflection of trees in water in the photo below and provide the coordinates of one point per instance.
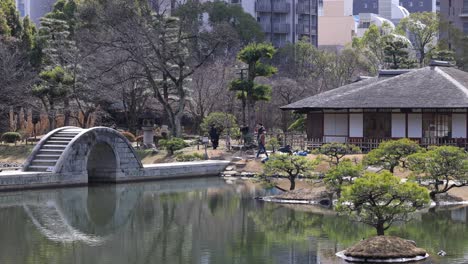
(435, 231)
(32, 247)
(280, 225)
(220, 225)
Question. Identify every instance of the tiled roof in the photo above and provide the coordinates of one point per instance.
(429, 87)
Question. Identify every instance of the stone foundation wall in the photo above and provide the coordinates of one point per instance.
(30, 180)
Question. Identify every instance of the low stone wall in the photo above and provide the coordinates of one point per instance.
(24, 180)
(184, 169)
(28, 180)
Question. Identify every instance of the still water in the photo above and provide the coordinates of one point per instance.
(194, 221)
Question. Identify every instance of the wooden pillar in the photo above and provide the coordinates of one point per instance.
(406, 125)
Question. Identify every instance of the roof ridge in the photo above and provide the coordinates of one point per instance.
(371, 84)
(457, 84)
(344, 87)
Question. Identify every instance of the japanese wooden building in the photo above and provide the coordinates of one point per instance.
(428, 105)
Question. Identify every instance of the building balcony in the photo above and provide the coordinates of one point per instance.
(267, 7)
(464, 12)
(303, 29)
(277, 28)
(306, 9)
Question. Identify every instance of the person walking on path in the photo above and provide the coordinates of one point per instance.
(260, 130)
(261, 143)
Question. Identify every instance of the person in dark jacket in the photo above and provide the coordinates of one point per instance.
(260, 130)
(214, 135)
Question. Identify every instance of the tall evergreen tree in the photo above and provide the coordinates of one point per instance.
(249, 91)
(58, 61)
(396, 54)
(11, 18)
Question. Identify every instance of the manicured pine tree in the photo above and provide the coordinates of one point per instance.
(247, 90)
(397, 55)
(58, 51)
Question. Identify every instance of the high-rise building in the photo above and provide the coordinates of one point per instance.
(455, 13)
(365, 6)
(336, 24)
(167, 6)
(388, 9)
(23, 7)
(414, 6)
(288, 21)
(35, 9)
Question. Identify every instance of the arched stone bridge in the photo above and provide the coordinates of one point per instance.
(72, 155)
(95, 154)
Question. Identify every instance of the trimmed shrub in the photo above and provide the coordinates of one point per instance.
(189, 157)
(173, 144)
(221, 121)
(11, 137)
(273, 144)
(336, 151)
(129, 136)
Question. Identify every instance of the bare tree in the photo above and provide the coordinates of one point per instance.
(16, 76)
(157, 46)
(208, 89)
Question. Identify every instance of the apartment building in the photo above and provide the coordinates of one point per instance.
(35, 9)
(415, 6)
(455, 13)
(365, 6)
(167, 6)
(288, 21)
(388, 9)
(336, 24)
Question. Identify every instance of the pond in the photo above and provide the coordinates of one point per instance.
(195, 221)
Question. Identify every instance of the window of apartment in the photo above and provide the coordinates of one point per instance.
(304, 19)
(465, 4)
(465, 28)
(410, 3)
(365, 25)
(437, 125)
(374, 5)
(365, 5)
(450, 3)
(279, 18)
(421, 3)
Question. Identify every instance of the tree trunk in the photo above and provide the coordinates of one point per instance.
(85, 119)
(251, 116)
(177, 130)
(51, 116)
(66, 119)
(421, 57)
(292, 180)
(243, 112)
(380, 229)
(433, 196)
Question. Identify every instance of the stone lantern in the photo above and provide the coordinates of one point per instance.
(147, 125)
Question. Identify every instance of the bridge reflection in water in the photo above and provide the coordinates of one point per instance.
(92, 215)
(194, 221)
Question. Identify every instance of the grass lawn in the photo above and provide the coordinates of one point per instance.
(12, 153)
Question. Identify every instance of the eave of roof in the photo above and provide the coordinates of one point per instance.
(429, 87)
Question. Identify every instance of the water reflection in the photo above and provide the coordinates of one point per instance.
(194, 221)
